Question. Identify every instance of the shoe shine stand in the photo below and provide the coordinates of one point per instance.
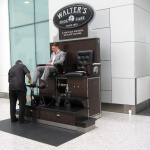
(71, 98)
(41, 101)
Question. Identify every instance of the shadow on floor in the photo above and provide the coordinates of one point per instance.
(145, 112)
(42, 133)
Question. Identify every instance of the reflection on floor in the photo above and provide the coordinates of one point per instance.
(145, 112)
(113, 131)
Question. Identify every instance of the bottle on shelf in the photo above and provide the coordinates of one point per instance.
(58, 83)
(67, 88)
(67, 98)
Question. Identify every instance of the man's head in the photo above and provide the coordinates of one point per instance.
(18, 62)
(55, 47)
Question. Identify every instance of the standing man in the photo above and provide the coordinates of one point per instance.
(17, 90)
(57, 58)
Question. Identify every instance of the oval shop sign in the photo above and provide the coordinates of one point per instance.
(73, 16)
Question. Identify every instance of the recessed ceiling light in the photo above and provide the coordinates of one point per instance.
(26, 2)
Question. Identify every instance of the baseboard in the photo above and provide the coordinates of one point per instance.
(119, 108)
(142, 106)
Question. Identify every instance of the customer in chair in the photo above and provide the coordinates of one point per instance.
(57, 58)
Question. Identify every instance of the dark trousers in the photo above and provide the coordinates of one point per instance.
(21, 96)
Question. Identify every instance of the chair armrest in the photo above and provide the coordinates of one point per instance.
(93, 69)
(98, 64)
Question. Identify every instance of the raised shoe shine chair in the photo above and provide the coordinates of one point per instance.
(81, 74)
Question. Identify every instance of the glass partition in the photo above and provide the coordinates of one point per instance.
(29, 32)
(41, 10)
(42, 43)
(21, 13)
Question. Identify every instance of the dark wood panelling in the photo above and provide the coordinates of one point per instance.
(59, 117)
(78, 86)
(71, 47)
(32, 112)
(94, 96)
(50, 86)
(81, 115)
(72, 33)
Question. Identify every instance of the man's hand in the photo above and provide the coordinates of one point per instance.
(48, 64)
(30, 81)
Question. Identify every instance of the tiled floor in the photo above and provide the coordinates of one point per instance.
(113, 132)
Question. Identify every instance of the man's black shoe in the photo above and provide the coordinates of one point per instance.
(14, 120)
(32, 85)
(41, 86)
(23, 122)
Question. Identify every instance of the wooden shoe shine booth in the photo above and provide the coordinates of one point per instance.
(71, 98)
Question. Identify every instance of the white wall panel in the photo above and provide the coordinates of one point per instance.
(123, 91)
(4, 38)
(101, 19)
(53, 31)
(142, 49)
(122, 23)
(148, 59)
(140, 59)
(148, 27)
(105, 44)
(118, 3)
(122, 59)
(140, 18)
(105, 75)
(4, 46)
(106, 96)
(4, 84)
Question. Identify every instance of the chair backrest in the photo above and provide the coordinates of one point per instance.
(65, 61)
(72, 46)
(83, 58)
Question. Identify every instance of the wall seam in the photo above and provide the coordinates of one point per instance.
(110, 53)
(141, 8)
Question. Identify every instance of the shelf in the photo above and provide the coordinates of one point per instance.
(78, 98)
(59, 109)
(74, 98)
(61, 85)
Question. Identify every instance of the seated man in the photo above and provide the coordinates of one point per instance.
(57, 58)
